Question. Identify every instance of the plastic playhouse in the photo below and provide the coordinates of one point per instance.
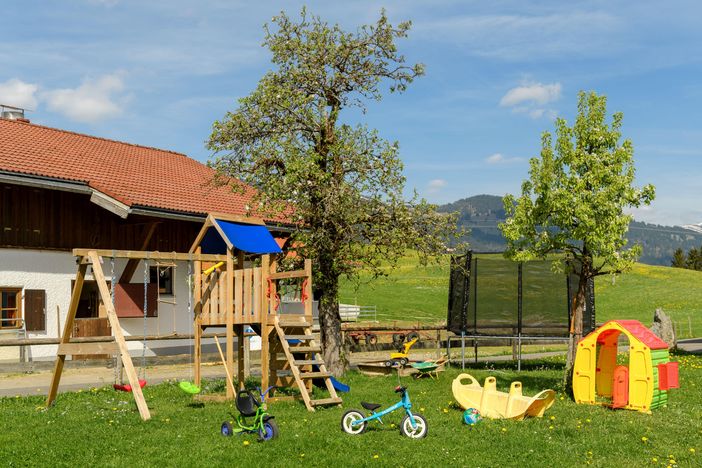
(642, 385)
(494, 404)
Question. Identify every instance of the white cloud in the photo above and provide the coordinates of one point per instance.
(530, 99)
(499, 158)
(92, 101)
(535, 94)
(14, 92)
(435, 185)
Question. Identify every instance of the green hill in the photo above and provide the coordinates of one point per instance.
(482, 213)
(420, 293)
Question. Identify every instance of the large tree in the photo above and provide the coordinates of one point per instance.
(342, 183)
(574, 203)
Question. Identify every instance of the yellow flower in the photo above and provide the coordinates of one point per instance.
(550, 427)
(421, 410)
(692, 450)
(375, 456)
(654, 460)
(302, 455)
(587, 420)
(644, 439)
(504, 429)
(445, 410)
(552, 418)
(246, 442)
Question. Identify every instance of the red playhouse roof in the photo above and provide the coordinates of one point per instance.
(642, 333)
(134, 175)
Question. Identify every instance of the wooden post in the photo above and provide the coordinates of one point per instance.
(229, 308)
(67, 330)
(197, 307)
(265, 327)
(119, 336)
(240, 355)
(309, 306)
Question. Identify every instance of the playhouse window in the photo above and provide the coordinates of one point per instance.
(10, 308)
(163, 276)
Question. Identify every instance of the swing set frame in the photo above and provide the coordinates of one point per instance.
(92, 258)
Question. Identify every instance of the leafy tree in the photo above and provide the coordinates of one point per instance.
(343, 181)
(678, 259)
(573, 203)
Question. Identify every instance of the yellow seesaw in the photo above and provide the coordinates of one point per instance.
(494, 404)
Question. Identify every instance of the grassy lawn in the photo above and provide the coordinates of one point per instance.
(420, 293)
(102, 427)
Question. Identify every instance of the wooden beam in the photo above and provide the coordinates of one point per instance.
(289, 274)
(67, 331)
(265, 326)
(230, 382)
(155, 255)
(87, 348)
(132, 264)
(229, 310)
(200, 235)
(197, 322)
(237, 218)
(119, 336)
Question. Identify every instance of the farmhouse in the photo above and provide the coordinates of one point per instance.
(61, 190)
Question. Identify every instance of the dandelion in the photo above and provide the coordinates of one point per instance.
(553, 418)
(302, 455)
(246, 442)
(550, 427)
(654, 460)
(692, 450)
(504, 429)
(421, 410)
(588, 420)
(445, 410)
(376, 456)
(644, 439)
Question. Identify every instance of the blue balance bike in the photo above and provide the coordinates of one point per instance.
(249, 406)
(413, 425)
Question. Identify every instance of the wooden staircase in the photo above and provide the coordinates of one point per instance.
(302, 356)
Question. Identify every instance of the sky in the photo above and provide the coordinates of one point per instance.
(159, 73)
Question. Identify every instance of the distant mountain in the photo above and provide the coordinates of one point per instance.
(482, 213)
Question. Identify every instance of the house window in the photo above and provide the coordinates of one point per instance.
(163, 277)
(10, 308)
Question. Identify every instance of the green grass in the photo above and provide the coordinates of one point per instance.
(420, 293)
(102, 428)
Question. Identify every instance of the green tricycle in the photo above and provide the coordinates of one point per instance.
(249, 406)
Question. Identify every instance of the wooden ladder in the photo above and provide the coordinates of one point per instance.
(302, 356)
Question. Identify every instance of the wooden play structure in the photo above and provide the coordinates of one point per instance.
(238, 293)
(642, 385)
(234, 285)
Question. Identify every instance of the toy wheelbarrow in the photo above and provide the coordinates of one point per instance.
(430, 368)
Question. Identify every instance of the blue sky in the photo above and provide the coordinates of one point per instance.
(158, 73)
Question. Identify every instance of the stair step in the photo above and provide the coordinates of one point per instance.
(314, 375)
(309, 362)
(299, 337)
(305, 349)
(294, 324)
(326, 401)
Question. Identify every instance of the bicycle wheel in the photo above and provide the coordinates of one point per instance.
(347, 422)
(417, 432)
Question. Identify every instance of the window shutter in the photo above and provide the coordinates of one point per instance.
(35, 310)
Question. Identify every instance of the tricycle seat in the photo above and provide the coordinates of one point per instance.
(370, 406)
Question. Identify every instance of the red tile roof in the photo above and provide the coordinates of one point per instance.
(134, 175)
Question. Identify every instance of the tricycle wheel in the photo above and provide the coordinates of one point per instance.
(268, 431)
(371, 339)
(227, 429)
(417, 432)
(348, 419)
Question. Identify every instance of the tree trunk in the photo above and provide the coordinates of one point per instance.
(330, 321)
(576, 326)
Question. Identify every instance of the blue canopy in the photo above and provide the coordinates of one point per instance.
(251, 238)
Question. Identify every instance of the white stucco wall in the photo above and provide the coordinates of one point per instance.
(54, 272)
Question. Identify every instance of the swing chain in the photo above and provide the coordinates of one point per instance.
(191, 313)
(115, 357)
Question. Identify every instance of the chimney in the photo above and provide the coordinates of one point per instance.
(12, 113)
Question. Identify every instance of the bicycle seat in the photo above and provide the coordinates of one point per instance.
(370, 406)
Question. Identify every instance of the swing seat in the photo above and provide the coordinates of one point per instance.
(189, 387)
(128, 387)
